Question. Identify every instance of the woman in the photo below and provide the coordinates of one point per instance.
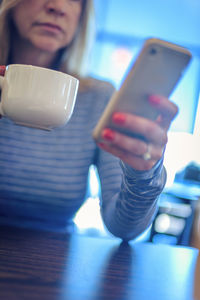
(44, 174)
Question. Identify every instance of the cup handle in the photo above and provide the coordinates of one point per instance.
(1, 85)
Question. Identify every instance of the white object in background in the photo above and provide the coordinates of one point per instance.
(182, 148)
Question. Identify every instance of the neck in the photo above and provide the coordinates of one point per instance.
(24, 53)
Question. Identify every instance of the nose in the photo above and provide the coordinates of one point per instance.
(56, 7)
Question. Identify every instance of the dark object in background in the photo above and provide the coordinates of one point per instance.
(174, 220)
(191, 172)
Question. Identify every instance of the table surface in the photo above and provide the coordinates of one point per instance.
(40, 265)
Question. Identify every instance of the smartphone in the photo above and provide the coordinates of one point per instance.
(157, 70)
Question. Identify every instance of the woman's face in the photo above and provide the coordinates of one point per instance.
(47, 24)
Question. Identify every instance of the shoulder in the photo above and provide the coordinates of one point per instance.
(94, 85)
(93, 95)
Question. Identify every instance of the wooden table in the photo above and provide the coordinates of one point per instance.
(38, 265)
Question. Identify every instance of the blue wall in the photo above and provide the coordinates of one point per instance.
(177, 20)
(125, 24)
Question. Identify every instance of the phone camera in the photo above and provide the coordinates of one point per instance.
(153, 51)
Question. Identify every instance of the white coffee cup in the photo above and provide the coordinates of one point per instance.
(37, 97)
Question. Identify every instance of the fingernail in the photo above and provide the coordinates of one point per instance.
(119, 118)
(108, 134)
(155, 100)
(2, 68)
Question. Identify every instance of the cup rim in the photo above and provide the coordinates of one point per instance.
(41, 68)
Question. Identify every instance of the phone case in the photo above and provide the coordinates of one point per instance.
(157, 70)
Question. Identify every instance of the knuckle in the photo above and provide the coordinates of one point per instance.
(159, 156)
(173, 111)
(148, 165)
(140, 148)
(164, 138)
(176, 110)
(151, 128)
(156, 133)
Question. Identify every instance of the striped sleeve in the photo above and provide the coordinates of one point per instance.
(129, 197)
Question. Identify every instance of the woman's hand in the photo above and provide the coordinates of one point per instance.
(140, 154)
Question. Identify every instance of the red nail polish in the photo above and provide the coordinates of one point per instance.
(108, 134)
(119, 118)
(155, 100)
(2, 70)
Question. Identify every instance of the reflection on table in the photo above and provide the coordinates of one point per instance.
(38, 265)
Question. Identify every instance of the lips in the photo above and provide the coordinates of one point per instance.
(50, 27)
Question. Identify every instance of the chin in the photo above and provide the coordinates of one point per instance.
(49, 45)
(51, 48)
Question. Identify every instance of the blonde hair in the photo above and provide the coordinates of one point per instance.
(75, 58)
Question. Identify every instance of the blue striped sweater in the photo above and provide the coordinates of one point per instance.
(43, 175)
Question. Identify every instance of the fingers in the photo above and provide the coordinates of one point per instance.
(2, 70)
(140, 154)
(130, 150)
(134, 161)
(128, 144)
(141, 126)
(168, 110)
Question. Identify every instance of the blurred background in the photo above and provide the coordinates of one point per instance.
(121, 28)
